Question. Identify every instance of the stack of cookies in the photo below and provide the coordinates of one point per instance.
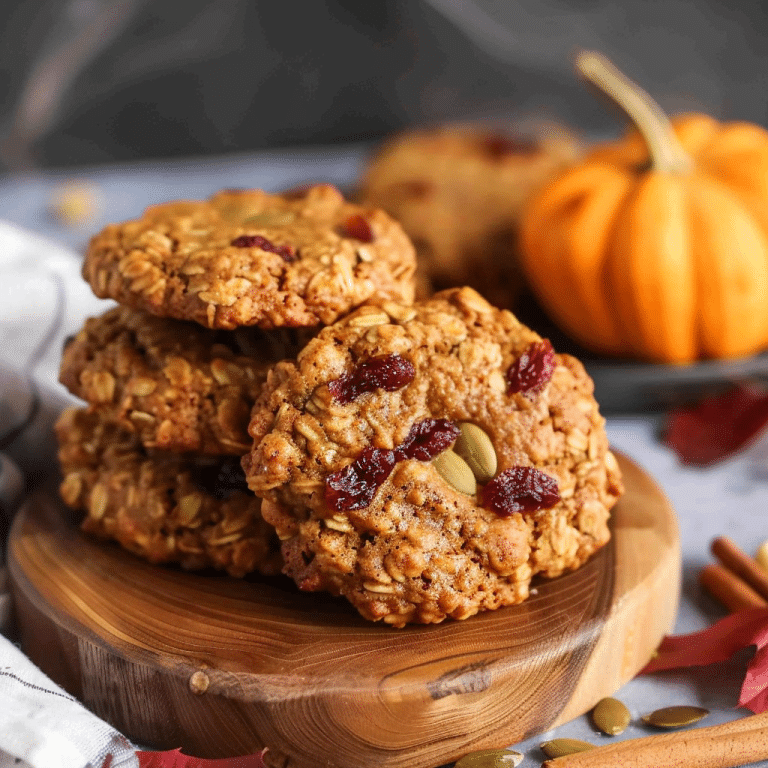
(269, 396)
(212, 293)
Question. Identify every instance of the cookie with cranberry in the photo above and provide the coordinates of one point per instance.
(459, 191)
(426, 462)
(177, 386)
(252, 258)
(165, 508)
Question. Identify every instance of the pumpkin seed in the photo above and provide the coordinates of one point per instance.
(490, 758)
(456, 472)
(675, 717)
(762, 556)
(611, 716)
(270, 218)
(476, 448)
(562, 747)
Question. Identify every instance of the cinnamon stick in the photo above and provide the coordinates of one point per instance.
(741, 564)
(729, 589)
(737, 743)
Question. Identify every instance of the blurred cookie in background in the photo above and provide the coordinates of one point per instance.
(458, 191)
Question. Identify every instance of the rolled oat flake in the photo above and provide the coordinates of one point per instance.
(490, 758)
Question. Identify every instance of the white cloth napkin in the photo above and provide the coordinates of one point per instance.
(43, 299)
(44, 727)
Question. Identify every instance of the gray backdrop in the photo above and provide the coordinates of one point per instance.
(97, 80)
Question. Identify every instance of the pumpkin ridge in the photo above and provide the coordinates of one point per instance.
(586, 268)
(731, 250)
(656, 315)
(545, 242)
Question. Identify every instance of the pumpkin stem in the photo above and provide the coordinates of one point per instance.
(667, 154)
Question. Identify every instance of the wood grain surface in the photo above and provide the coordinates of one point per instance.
(224, 667)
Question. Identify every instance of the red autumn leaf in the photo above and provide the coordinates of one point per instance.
(717, 426)
(174, 759)
(718, 643)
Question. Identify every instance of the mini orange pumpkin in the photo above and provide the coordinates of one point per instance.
(656, 246)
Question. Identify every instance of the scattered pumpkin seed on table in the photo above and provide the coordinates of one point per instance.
(611, 716)
(675, 717)
(491, 758)
(562, 747)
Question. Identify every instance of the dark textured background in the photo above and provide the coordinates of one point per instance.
(87, 81)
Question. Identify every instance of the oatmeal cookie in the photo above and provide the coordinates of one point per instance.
(459, 191)
(251, 258)
(178, 386)
(425, 462)
(194, 511)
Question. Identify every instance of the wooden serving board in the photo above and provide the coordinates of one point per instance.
(224, 667)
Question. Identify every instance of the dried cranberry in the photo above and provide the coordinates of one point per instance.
(533, 369)
(388, 372)
(354, 486)
(357, 227)
(296, 193)
(520, 489)
(427, 438)
(416, 188)
(498, 145)
(257, 241)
